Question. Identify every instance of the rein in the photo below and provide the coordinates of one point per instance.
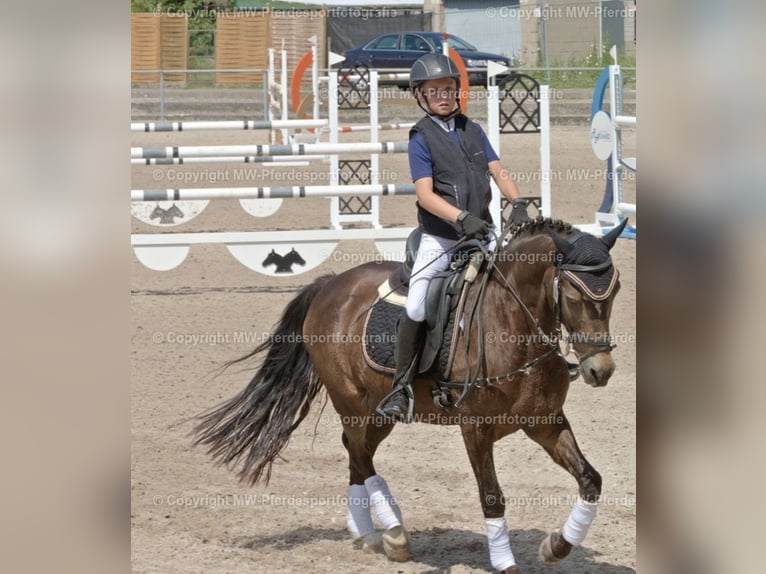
(472, 381)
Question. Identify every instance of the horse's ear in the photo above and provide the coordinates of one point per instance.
(611, 238)
(562, 245)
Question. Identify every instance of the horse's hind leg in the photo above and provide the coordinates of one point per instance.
(369, 491)
(559, 442)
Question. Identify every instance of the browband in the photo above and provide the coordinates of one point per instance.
(606, 264)
(583, 287)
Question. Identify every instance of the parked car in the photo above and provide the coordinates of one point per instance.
(400, 50)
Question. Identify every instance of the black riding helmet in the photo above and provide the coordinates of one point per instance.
(434, 67)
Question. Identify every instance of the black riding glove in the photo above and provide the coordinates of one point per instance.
(519, 211)
(473, 227)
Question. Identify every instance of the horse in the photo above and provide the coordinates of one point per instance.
(283, 263)
(547, 274)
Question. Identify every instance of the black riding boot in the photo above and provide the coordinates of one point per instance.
(409, 335)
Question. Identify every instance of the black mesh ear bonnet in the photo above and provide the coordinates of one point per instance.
(589, 267)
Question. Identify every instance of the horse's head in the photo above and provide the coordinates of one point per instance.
(175, 211)
(272, 258)
(294, 257)
(157, 213)
(587, 285)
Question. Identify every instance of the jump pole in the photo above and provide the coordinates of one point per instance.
(226, 125)
(279, 192)
(381, 127)
(266, 150)
(305, 159)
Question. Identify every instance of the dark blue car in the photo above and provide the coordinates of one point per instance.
(399, 50)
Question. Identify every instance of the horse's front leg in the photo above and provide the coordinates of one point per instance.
(479, 442)
(559, 442)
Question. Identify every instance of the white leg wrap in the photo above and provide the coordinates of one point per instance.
(359, 519)
(386, 508)
(500, 554)
(576, 527)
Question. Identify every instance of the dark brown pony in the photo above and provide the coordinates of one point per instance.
(547, 274)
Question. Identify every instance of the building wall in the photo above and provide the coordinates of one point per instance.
(491, 26)
(554, 32)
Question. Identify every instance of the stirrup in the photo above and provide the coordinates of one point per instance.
(408, 394)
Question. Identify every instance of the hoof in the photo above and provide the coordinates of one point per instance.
(370, 544)
(396, 544)
(554, 548)
(512, 570)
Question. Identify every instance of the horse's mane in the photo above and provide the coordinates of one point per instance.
(539, 225)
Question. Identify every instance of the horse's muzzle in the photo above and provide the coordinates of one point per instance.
(597, 368)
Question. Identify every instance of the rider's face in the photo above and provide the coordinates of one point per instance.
(440, 95)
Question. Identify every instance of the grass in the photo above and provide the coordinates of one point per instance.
(567, 76)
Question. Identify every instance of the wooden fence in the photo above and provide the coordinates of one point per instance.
(159, 42)
(242, 40)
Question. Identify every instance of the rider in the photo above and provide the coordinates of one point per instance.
(450, 163)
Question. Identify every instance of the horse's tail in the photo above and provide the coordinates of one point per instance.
(253, 427)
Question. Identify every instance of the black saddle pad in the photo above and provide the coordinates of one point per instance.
(380, 338)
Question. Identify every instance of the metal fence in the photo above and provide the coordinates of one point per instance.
(201, 98)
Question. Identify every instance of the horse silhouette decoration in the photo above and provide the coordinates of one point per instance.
(284, 263)
(545, 276)
(167, 215)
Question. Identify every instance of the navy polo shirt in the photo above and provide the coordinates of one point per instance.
(420, 155)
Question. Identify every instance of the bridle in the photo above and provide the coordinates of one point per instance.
(600, 346)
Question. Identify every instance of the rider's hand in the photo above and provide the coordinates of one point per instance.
(519, 210)
(473, 227)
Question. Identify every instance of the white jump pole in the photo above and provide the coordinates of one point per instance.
(270, 83)
(332, 111)
(545, 152)
(266, 150)
(283, 90)
(276, 161)
(315, 83)
(296, 191)
(493, 135)
(302, 236)
(225, 125)
(374, 217)
(380, 127)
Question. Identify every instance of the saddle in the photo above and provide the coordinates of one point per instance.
(445, 300)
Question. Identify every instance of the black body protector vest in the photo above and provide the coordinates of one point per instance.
(460, 174)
